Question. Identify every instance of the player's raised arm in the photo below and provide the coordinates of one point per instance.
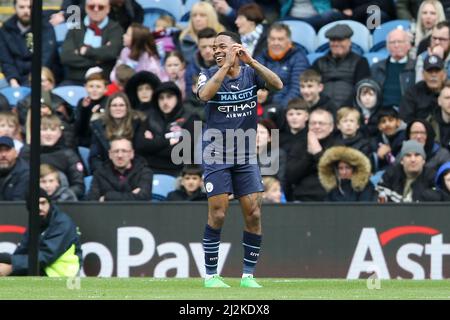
(273, 82)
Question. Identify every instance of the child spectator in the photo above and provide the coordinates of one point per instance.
(311, 88)
(442, 180)
(139, 52)
(123, 75)
(50, 181)
(191, 186)
(294, 130)
(348, 120)
(90, 107)
(164, 34)
(389, 140)
(369, 101)
(10, 127)
(175, 67)
(140, 88)
(55, 153)
(272, 190)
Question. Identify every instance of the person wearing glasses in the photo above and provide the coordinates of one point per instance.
(396, 73)
(97, 42)
(125, 177)
(439, 46)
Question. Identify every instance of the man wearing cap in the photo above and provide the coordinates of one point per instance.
(408, 181)
(14, 172)
(420, 100)
(97, 42)
(341, 68)
(59, 253)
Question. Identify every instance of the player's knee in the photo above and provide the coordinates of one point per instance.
(218, 215)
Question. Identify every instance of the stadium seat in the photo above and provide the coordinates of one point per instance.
(314, 56)
(84, 154)
(380, 34)
(71, 94)
(87, 184)
(374, 57)
(60, 32)
(162, 185)
(302, 33)
(15, 94)
(187, 9)
(173, 7)
(361, 36)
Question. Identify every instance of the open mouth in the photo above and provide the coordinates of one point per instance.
(219, 58)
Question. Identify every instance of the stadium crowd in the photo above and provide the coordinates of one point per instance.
(350, 128)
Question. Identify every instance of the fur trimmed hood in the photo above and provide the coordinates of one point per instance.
(355, 158)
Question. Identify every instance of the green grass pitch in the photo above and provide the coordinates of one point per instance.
(31, 288)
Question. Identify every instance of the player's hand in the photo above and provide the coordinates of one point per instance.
(242, 53)
(230, 58)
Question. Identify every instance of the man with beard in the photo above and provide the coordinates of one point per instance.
(14, 172)
(16, 41)
(59, 245)
(420, 100)
(440, 118)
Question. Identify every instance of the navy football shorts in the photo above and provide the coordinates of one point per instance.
(239, 179)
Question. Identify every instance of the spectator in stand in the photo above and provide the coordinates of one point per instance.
(302, 180)
(165, 35)
(341, 68)
(57, 189)
(440, 118)
(14, 172)
(344, 173)
(139, 52)
(429, 15)
(96, 43)
(251, 28)
(175, 67)
(368, 101)
(272, 190)
(285, 59)
(348, 124)
(311, 89)
(203, 58)
(408, 181)
(396, 73)
(440, 46)
(90, 108)
(407, 9)
(140, 89)
(118, 120)
(54, 152)
(10, 127)
(358, 9)
(227, 11)
(315, 12)
(126, 12)
(420, 100)
(16, 41)
(123, 75)
(162, 129)
(422, 132)
(442, 182)
(295, 128)
(191, 186)
(124, 177)
(202, 15)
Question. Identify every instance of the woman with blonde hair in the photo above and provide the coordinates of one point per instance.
(430, 13)
(202, 15)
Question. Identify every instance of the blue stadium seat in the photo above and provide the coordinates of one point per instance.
(162, 185)
(379, 35)
(84, 154)
(71, 94)
(173, 7)
(374, 57)
(60, 32)
(15, 94)
(87, 184)
(361, 35)
(302, 33)
(314, 56)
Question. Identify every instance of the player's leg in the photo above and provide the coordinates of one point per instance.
(248, 188)
(218, 186)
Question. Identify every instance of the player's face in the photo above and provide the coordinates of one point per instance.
(49, 183)
(50, 135)
(222, 47)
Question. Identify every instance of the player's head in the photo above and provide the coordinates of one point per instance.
(222, 45)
